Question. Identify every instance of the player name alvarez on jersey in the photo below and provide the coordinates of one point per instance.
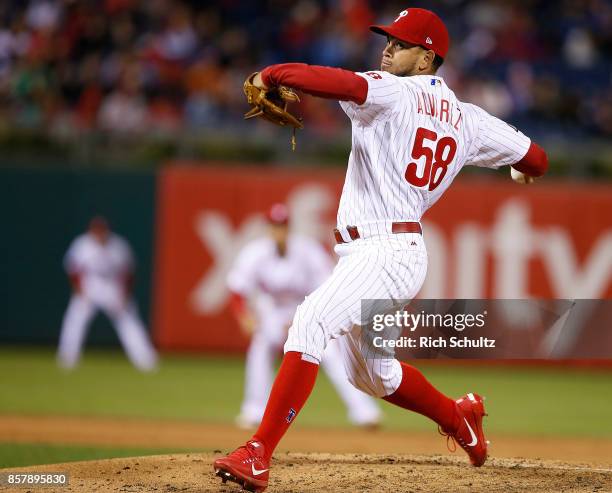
(441, 109)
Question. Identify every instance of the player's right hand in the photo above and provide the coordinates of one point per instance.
(520, 177)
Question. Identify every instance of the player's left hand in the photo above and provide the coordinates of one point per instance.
(271, 103)
(520, 177)
(258, 82)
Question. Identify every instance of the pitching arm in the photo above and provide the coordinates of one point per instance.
(500, 144)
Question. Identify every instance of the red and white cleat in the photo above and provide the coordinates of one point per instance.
(470, 435)
(247, 466)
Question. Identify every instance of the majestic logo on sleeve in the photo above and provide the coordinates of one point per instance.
(403, 13)
(291, 415)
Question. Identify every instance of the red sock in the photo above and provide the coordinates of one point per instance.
(293, 384)
(417, 394)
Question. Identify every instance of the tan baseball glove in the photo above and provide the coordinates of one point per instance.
(271, 104)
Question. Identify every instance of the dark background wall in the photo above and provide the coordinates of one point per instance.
(41, 212)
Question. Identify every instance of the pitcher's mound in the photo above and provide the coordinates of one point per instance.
(332, 473)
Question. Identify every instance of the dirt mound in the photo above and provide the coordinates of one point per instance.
(333, 473)
(124, 432)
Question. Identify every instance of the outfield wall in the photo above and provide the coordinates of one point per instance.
(486, 238)
(41, 212)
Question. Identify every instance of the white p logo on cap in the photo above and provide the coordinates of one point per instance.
(429, 41)
(403, 13)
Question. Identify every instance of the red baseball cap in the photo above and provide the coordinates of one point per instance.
(420, 27)
(278, 214)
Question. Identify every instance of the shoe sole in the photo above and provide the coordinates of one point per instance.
(246, 484)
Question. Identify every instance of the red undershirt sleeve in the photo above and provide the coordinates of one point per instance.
(237, 304)
(534, 162)
(129, 281)
(75, 280)
(323, 82)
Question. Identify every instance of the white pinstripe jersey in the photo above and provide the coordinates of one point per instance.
(287, 279)
(107, 262)
(410, 138)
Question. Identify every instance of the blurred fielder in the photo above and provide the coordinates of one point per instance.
(100, 267)
(270, 278)
(411, 136)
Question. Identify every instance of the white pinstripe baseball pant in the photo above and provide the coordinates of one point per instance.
(389, 266)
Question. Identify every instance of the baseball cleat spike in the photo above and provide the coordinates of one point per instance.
(222, 474)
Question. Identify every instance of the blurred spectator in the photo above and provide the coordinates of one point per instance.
(131, 66)
(124, 110)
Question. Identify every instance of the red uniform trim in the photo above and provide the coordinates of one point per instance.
(129, 280)
(323, 82)
(237, 304)
(75, 281)
(534, 163)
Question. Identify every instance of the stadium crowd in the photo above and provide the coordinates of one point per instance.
(145, 66)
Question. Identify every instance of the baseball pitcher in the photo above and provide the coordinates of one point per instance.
(410, 138)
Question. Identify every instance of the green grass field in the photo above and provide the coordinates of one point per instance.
(27, 454)
(533, 401)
